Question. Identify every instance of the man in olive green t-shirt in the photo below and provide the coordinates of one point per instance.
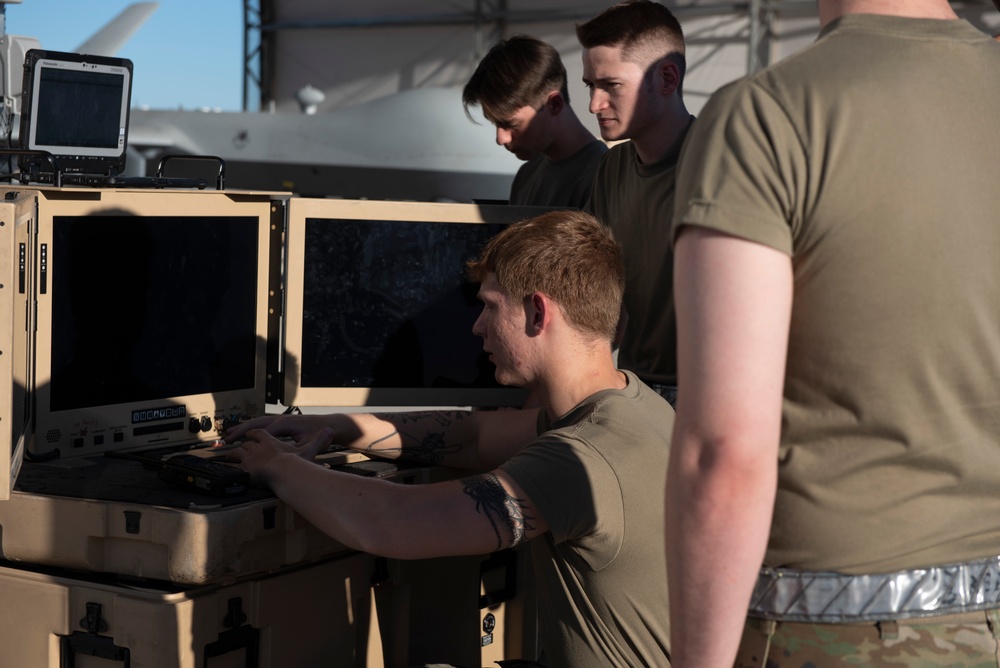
(838, 298)
(633, 63)
(579, 480)
(521, 86)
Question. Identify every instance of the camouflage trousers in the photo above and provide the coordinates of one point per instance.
(965, 640)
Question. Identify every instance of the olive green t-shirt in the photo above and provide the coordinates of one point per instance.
(636, 201)
(873, 159)
(597, 476)
(558, 183)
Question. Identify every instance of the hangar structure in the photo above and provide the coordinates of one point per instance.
(357, 52)
(363, 100)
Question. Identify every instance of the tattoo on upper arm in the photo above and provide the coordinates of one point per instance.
(493, 501)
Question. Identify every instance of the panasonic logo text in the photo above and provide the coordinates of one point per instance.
(154, 414)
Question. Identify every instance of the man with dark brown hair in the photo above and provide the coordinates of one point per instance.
(580, 478)
(521, 86)
(633, 63)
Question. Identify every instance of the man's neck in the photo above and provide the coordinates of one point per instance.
(570, 137)
(659, 141)
(577, 379)
(917, 9)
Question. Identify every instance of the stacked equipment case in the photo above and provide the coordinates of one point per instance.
(104, 556)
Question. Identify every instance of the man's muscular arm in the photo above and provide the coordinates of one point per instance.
(500, 508)
(475, 515)
(478, 441)
(734, 302)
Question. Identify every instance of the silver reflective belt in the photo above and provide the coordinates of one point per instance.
(804, 596)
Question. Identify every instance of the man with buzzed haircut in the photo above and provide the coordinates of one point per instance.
(521, 86)
(633, 64)
(837, 293)
(581, 478)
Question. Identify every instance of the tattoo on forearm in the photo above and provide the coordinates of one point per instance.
(443, 418)
(493, 501)
(431, 449)
(379, 440)
(428, 448)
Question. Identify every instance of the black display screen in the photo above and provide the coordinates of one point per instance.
(148, 307)
(79, 109)
(387, 304)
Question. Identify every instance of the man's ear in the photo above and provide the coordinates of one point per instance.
(538, 312)
(669, 75)
(555, 103)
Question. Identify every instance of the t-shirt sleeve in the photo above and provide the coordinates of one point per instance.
(743, 169)
(577, 493)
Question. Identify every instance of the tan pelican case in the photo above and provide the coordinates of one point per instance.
(316, 615)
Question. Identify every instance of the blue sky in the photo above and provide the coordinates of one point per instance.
(188, 53)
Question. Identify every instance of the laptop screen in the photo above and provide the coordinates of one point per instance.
(76, 108)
